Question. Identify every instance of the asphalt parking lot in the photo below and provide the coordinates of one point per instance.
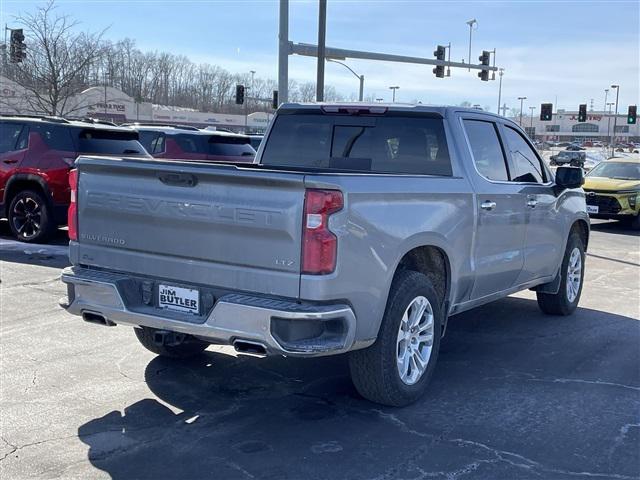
(516, 394)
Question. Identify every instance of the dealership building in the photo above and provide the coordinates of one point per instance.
(107, 103)
(564, 127)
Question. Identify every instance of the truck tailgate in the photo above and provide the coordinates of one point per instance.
(197, 223)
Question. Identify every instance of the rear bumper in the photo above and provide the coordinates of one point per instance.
(281, 326)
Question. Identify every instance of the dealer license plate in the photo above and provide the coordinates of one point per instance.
(592, 208)
(179, 299)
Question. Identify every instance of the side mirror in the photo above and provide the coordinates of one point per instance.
(569, 177)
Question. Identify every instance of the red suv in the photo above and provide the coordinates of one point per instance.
(36, 154)
(191, 143)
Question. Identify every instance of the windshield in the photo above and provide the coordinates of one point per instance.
(382, 144)
(619, 170)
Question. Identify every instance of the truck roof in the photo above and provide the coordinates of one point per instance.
(442, 110)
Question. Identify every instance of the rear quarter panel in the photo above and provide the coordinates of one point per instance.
(384, 217)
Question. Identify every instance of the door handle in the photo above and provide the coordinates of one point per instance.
(488, 205)
(10, 161)
(532, 202)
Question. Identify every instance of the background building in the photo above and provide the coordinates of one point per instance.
(108, 103)
(598, 127)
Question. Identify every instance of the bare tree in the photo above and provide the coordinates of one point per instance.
(58, 60)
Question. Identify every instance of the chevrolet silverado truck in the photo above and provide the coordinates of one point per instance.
(359, 229)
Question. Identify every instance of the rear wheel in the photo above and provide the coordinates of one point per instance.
(565, 301)
(397, 368)
(180, 346)
(30, 217)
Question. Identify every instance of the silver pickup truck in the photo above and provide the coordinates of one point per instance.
(359, 228)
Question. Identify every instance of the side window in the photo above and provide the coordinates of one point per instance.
(148, 139)
(9, 134)
(157, 145)
(55, 136)
(23, 139)
(487, 151)
(525, 161)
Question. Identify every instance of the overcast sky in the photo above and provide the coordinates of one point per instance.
(569, 50)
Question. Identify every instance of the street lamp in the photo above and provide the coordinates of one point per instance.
(606, 94)
(471, 23)
(522, 99)
(610, 104)
(394, 93)
(360, 77)
(501, 73)
(615, 119)
(533, 136)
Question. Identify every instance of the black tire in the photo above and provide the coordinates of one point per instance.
(374, 371)
(559, 303)
(187, 346)
(30, 217)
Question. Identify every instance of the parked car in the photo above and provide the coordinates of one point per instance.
(255, 141)
(361, 228)
(566, 157)
(574, 148)
(613, 190)
(36, 154)
(191, 143)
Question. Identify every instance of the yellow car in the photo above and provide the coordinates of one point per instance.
(612, 190)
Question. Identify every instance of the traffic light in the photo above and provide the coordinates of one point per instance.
(439, 54)
(239, 94)
(632, 116)
(484, 60)
(546, 112)
(582, 112)
(17, 47)
(274, 100)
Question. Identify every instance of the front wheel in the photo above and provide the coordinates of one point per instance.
(565, 301)
(396, 369)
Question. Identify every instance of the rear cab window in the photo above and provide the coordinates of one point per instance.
(391, 143)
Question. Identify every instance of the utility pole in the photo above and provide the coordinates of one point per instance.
(606, 93)
(533, 135)
(522, 99)
(500, 73)
(322, 34)
(471, 23)
(615, 120)
(283, 52)
(394, 93)
(504, 110)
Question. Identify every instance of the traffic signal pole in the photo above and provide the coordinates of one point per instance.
(286, 48)
(309, 50)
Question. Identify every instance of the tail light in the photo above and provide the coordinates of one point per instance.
(72, 213)
(319, 244)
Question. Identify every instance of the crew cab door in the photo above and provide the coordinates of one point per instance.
(544, 239)
(500, 231)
